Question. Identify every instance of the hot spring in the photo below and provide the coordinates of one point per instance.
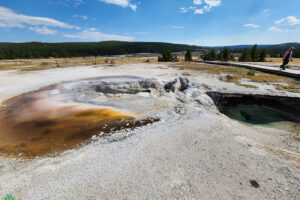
(66, 115)
(260, 110)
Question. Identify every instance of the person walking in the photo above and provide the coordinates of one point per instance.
(288, 56)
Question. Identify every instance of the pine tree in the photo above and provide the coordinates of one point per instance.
(170, 56)
(263, 54)
(245, 57)
(206, 56)
(220, 56)
(167, 56)
(254, 53)
(248, 58)
(188, 55)
(226, 54)
(213, 55)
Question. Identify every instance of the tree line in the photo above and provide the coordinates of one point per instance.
(254, 55)
(167, 56)
(224, 55)
(274, 51)
(84, 49)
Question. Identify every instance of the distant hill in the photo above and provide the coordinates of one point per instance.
(280, 49)
(273, 50)
(78, 49)
(235, 47)
(83, 49)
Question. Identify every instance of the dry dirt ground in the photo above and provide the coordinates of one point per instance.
(197, 153)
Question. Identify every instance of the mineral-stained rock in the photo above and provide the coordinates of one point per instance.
(127, 87)
(170, 86)
(180, 84)
(184, 83)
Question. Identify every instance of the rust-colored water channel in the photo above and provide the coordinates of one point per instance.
(32, 125)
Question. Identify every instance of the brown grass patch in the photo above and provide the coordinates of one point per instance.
(235, 74)
(51, 63)
(279, 60)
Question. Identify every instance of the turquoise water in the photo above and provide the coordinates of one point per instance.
(256, 115)
(261, 116)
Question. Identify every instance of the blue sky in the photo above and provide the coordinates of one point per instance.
(198, 22)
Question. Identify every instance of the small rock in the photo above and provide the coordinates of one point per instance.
(254, 183)
(170, 86)
(180, 84)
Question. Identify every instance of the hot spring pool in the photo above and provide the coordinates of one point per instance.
(255, 115)
(262, 116)
(280, 112)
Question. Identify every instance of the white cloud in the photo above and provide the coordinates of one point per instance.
(213, 3)
(197, 2)
(40, 25)
(286, 24)
(177, 27)
(207, 5)
(78, 2)
(274, 28)
(266, 10)
(251, 25)
(43, 30)
(290, 20)
(92, 29)
(206, 8)
(122, 3)
(184, 10)
(10, 19)
(68, 3)
(93, 35)
(277, 29)
(133, 7)
(84, 17)
(199, 11)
